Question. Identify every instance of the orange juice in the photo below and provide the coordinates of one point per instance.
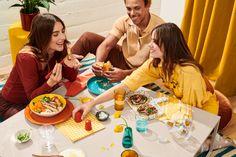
(119, 96)
(119, 105)
(129, 153)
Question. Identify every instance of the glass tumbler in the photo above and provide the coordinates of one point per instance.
(141, 123)
(46, 132)
(129, 153)
(127, 140)
(119, 98)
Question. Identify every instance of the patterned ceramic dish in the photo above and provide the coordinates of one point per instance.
(138, 98)
(23, 136)
(47, 105)
(102, 115)
(97, 85)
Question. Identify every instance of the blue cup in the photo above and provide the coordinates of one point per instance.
(141, 123)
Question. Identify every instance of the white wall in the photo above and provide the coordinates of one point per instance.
(172, 10)
(82, 15)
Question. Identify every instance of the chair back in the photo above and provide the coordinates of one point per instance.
(225, 109)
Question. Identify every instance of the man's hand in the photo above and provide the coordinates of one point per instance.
(116, 75)
(97, 69)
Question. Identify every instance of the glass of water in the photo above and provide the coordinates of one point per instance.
(46, 132)
(141, 123)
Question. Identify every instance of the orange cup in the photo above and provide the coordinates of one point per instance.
(129, 153)
(119, 99)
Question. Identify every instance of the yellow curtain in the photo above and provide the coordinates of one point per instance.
(209, 26)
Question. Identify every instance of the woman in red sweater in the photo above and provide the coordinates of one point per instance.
(46, 51)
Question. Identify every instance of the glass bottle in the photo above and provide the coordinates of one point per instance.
(127, 140)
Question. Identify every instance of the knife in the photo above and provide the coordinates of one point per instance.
(35, 155)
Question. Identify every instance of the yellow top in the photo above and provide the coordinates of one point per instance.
(135, 44)
(186, 83)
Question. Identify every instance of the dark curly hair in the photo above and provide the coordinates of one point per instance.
(146, 2)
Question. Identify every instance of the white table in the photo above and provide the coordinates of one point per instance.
(99, 144)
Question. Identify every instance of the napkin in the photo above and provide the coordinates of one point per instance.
(176, 111)
(76, 131)
(75, 87)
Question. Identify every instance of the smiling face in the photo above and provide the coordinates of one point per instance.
(138, 12)
(57, 39)
(155, 50)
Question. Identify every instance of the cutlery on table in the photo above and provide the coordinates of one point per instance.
(35, 155)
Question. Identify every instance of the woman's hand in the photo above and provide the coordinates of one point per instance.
(85, 108)
(56, 75)
(72, 61)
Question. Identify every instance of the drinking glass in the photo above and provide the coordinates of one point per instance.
(127, 140)
(129, 153)
(141, 123)
(46, 132)
(119, 97)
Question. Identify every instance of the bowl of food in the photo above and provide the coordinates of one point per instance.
(47, 105)
(23, 136)
(102, 115)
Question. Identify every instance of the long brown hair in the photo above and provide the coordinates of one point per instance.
(176, 50)
(41, 34)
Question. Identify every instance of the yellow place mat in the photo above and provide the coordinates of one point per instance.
(76, 131)
(176, 111)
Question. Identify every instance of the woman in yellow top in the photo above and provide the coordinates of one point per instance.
(172, 61)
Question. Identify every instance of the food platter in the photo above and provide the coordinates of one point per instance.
(47, 105)
(142, 104)
(138, 98)
(97, 85)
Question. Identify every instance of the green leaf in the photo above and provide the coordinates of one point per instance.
(30, 6)
(44, 4)
(17, 5)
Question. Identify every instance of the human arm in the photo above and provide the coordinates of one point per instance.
(30, 75)
(103, 52)
(106, 96)
(105, 47)
(70, 67)
(143, 75)
(117, 75)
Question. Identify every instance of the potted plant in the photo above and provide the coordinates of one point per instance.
(29, 9)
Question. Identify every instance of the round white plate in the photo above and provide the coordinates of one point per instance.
(72, 152)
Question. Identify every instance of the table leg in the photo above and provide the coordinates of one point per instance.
(213, 138)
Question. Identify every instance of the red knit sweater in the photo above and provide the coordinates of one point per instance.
(27, 79)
